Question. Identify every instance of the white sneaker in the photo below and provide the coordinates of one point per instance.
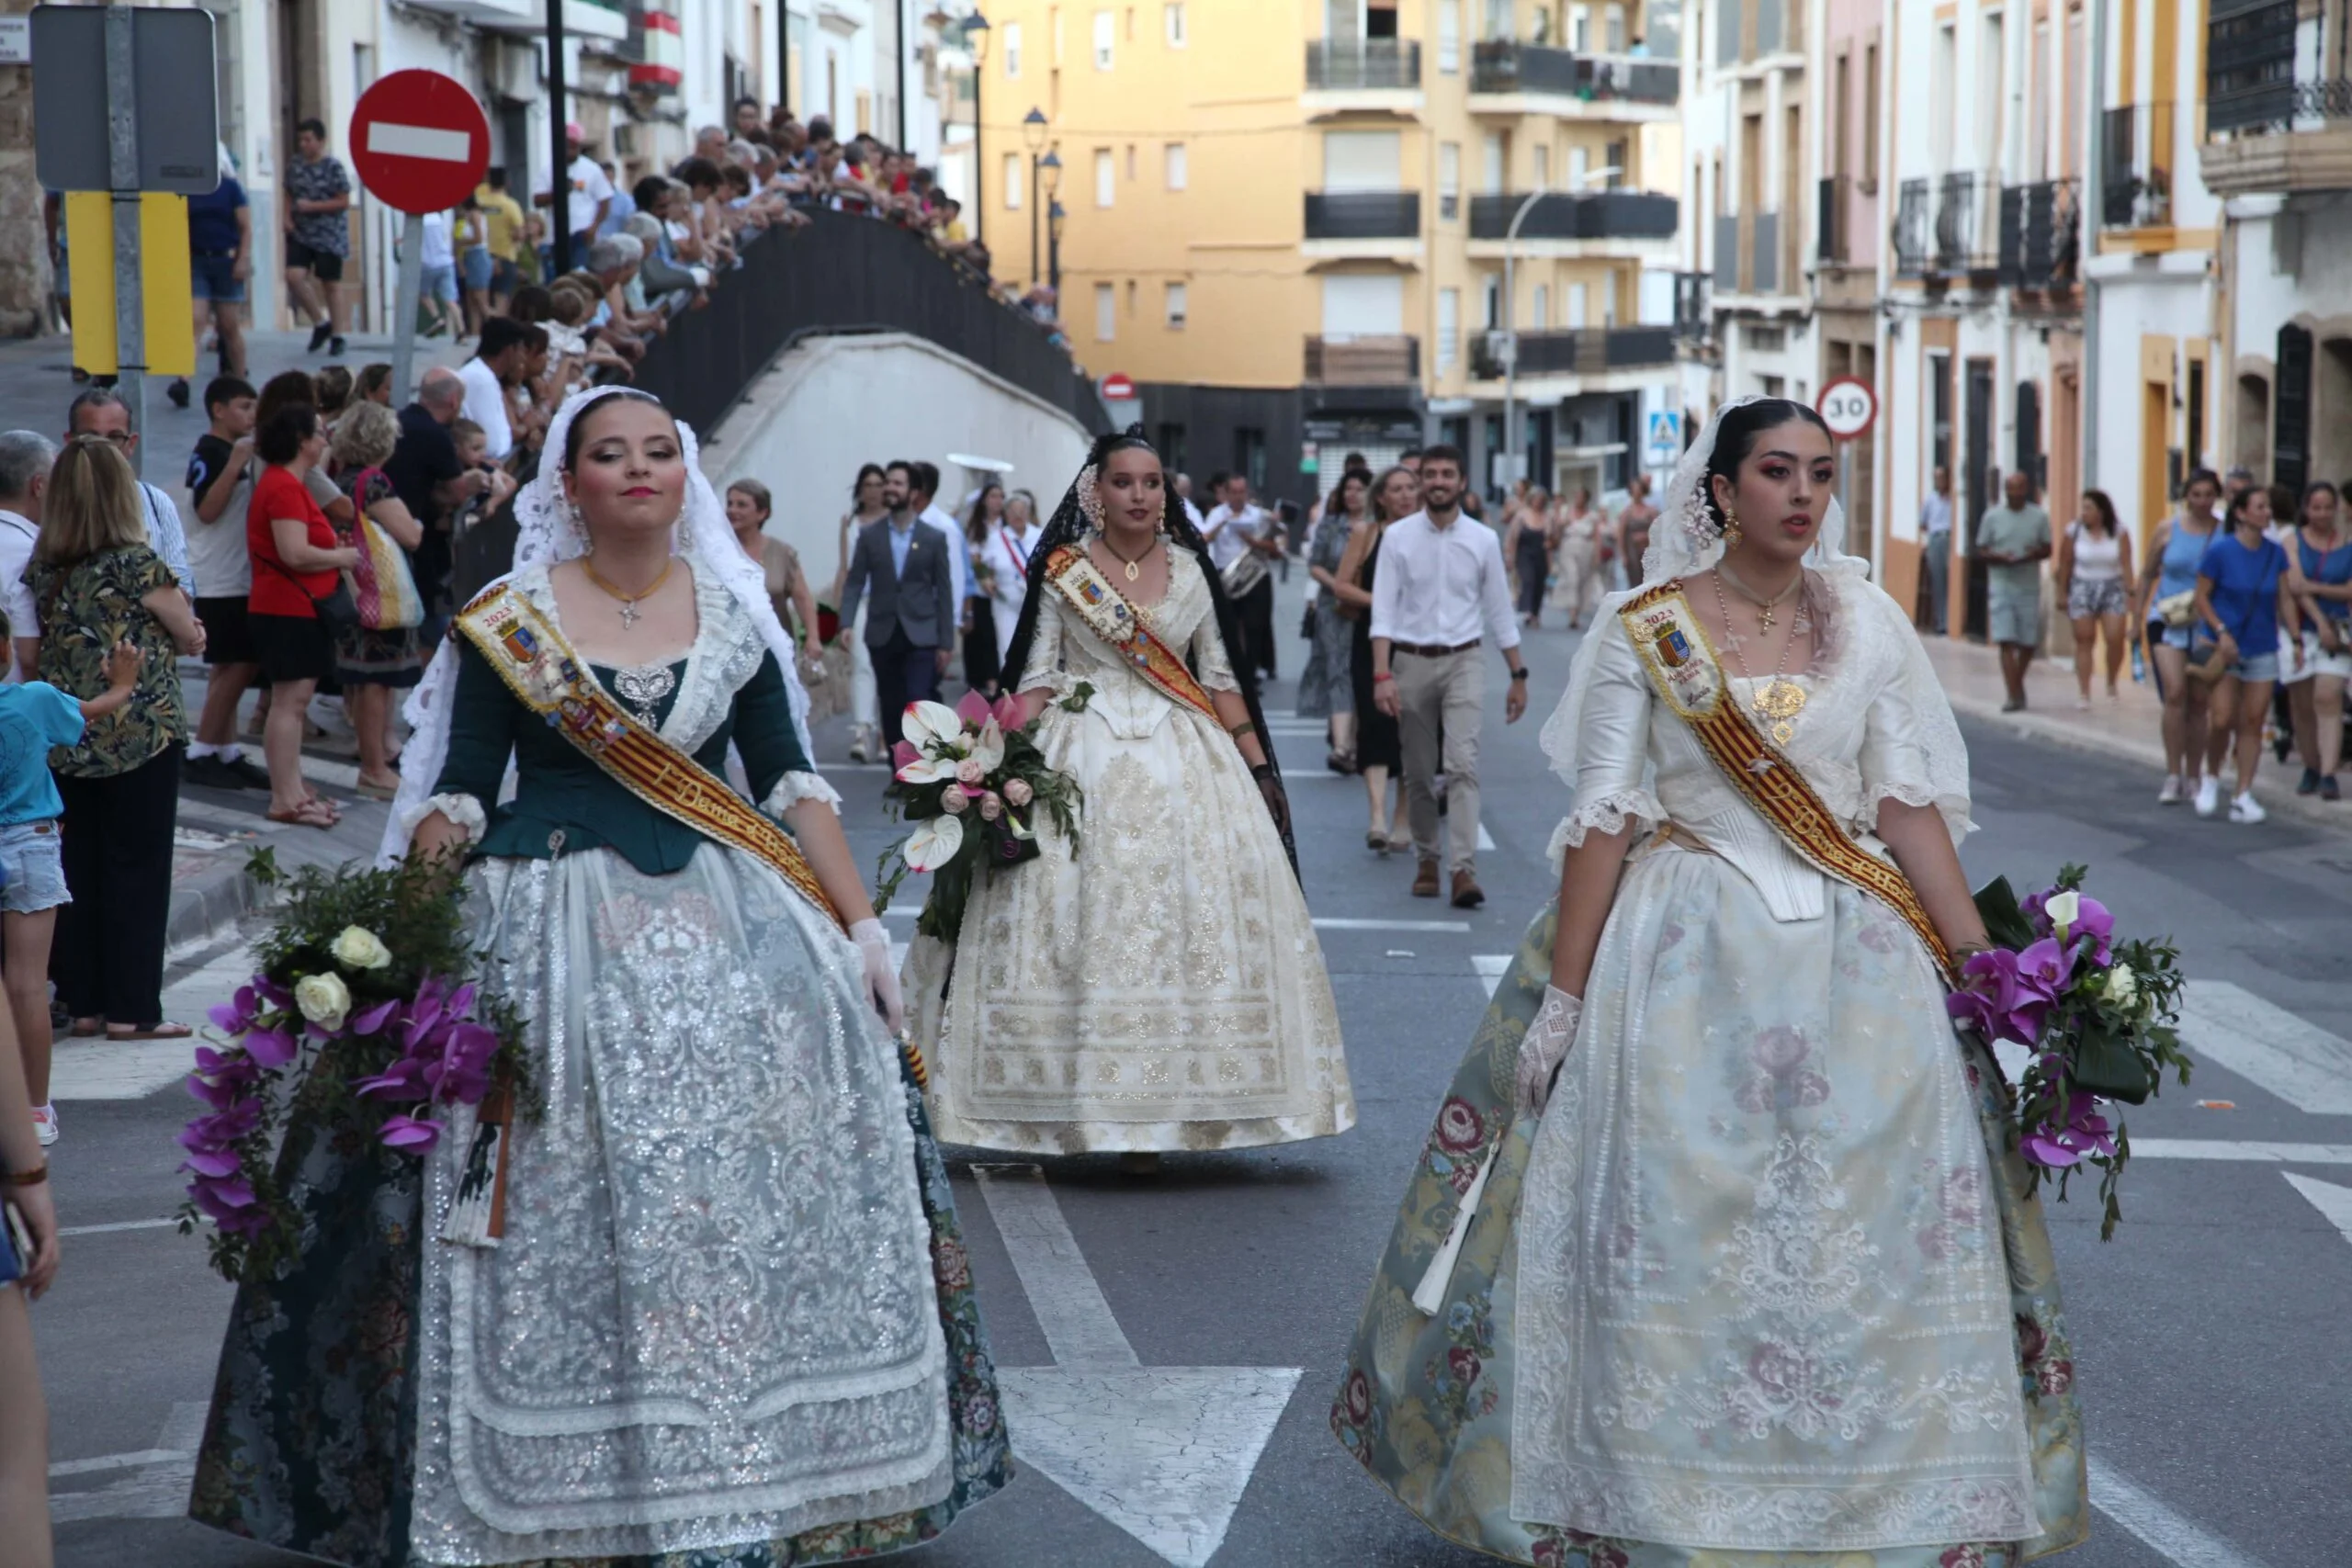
(2246, 808)
(2170, 793)
(2209, 796)
(45, 1123)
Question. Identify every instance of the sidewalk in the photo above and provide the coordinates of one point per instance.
(2126, 729)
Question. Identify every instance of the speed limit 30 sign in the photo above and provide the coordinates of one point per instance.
(1848, 406)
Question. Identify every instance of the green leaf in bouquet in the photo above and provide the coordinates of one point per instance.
(2005, 921)
(2107, 1067)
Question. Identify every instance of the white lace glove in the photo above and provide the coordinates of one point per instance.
(881, 979)
(1545, 1046)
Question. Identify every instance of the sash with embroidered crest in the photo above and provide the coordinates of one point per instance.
(546, 676)
(1109, 615)
(1680, 660)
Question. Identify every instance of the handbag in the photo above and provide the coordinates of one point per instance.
(384, 588)
(337, 610)
(2178, 609)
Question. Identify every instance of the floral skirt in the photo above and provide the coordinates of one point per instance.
(669, 1350)
(1430, 1403)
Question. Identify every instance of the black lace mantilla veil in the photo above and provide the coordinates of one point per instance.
(1069, 526)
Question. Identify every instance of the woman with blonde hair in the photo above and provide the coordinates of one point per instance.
(371, 662)
(95, 581)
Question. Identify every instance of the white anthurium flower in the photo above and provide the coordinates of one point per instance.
(934, 843)
(2063, 909)
(989, 749)
(926, 724)
(927, 770)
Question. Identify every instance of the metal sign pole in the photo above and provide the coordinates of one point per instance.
(122, 181)
(411, 284)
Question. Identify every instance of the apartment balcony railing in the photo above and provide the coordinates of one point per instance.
(2135, 185)
(1366, 65)
(1363, 215)
(1506, 65)
(1573, 351)
(1829, 218)
(2250, 65)
(1914, 227)
(1966, 235)
(1564, 215)
(2278, 101)
(1364, 359)
(2041, 234)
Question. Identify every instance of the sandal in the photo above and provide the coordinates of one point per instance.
(309, 814)
(376, 791)
(87, 1029)
(166, 1030)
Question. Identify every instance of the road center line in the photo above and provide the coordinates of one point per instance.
(64, 1231)
(2177, 1539)
(2231, 1148)
(1079, 1325)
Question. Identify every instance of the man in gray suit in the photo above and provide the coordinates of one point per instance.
(911, 629)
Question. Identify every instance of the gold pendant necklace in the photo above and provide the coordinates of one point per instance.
(1778, 701)
(628, 601)
(1132, 568)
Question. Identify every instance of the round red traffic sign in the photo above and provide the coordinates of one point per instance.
(1848, 406)
(419, 141)
(1118, 387)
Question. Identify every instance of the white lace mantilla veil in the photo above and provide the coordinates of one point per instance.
(1684, 542)
(551, 532)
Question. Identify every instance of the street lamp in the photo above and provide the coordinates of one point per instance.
(975, 41)
(1033, 136)
(1054, 217)
(1509, 337)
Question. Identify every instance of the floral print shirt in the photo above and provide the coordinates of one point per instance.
(329, 233)
(86, 609)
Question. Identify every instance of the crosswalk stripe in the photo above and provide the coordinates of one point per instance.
(2236, 1149)
(2180, 1539)
(2300, 1063)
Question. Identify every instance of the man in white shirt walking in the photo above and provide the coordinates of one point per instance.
(1235, 528)
(1440, 591)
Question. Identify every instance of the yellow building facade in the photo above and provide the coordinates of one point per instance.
(1288, 222)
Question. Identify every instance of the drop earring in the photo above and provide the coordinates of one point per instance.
(1732, 536)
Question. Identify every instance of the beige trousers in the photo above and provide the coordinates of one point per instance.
(1447, 693)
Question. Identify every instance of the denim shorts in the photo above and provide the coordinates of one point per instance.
(213, 276)
(439, 283)
(33, 866)
(473, 268)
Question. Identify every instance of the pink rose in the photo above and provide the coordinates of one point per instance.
(968, 772)
(1017, 792)
(953, 799)
(992, 807)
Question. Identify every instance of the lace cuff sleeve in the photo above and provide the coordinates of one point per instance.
(796, 787)
(1611, 813)
(1599, 740)
(464, 810)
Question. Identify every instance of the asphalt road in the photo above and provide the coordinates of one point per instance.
(2210, 1333)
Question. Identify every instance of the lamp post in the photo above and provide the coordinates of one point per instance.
(1510, 340)
(1033, 136)
(975, 42)
(1049, 180)
(1054, 217)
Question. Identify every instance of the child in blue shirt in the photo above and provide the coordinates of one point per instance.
(35, 716)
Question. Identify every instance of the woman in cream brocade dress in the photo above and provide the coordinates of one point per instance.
(1162, 989)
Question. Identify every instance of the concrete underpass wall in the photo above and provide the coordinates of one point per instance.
(831, 403)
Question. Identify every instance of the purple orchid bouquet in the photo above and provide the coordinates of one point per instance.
(365, 997)
(2099, 1016)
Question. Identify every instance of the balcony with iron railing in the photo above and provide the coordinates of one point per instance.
(2135, 167)
(1362, 359)
(2042, 235)
(2277, 119)
(1914, 227)
(1571, 351)
(1372, 65)
(1576, 215)
(1363, 214)
(1967, 232)
(1507, 69)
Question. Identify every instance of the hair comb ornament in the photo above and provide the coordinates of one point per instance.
(1089, 497)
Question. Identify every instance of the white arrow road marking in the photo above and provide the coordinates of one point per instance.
(1486, 840)
(2300, 1063)
(64, 1231)
(1491, 967)
(158, 1490)
(2230, 1148)
(418, 141)
(1165, 1453)
(2334, 1201)
(2182, 1541)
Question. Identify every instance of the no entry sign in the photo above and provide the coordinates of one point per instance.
(419, 141)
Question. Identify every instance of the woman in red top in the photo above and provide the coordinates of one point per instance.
(296, 557)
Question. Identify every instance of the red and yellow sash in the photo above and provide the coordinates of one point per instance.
(1109, 615)
(1683, 668)
(546, 677)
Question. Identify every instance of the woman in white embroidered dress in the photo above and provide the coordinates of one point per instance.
(730, 1315)
(1161, 989)
(1758, 1274)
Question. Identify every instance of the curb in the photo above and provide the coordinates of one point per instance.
(208, 905)
(2282, 803)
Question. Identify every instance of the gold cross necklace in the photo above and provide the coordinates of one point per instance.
(628, 601)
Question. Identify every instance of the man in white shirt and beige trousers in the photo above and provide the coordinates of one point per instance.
(1439, 593)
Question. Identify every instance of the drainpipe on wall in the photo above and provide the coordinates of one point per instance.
(2094, 219)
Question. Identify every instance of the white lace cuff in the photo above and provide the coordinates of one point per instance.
(794, 788)
(1914, 792)
(1609, 814)
(463, 811)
